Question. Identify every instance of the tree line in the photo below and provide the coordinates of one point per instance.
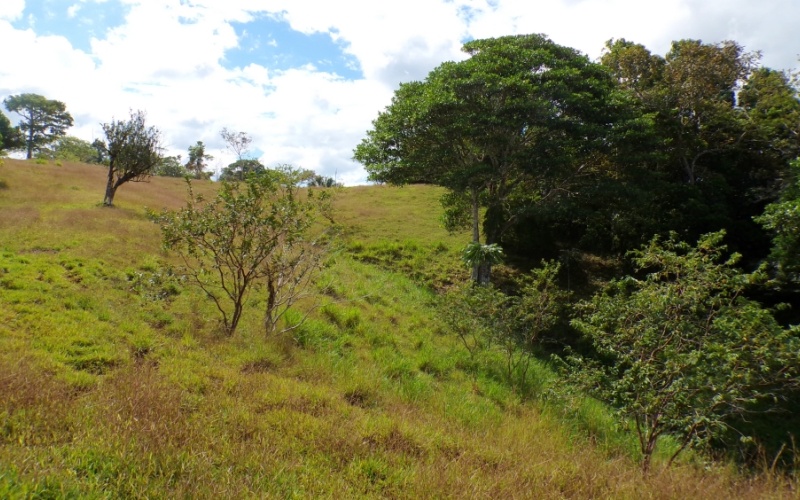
(132, 150)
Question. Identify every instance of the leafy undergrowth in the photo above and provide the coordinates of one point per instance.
(115, 381)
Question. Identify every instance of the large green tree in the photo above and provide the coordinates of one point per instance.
(43, 120)
(507, 128)
(725, 131)
(134, 152)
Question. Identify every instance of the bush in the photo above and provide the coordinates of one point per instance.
(682, 350)
(253, 234)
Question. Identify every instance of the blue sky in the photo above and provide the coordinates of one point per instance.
(75, 21)
(270, 41)
(305, 78)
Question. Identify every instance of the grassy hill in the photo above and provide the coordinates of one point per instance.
(114, 383)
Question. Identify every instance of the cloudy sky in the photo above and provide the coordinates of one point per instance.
(306, 77)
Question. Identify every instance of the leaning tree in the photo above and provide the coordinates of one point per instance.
(134, 151)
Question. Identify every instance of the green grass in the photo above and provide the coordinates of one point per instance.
(115, 381)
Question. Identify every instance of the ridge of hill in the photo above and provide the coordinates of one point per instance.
(114, 383)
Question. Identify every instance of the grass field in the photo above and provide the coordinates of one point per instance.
(116, 384)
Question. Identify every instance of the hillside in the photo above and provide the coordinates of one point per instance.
(112, 386)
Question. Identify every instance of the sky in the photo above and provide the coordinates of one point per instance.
(305, 78)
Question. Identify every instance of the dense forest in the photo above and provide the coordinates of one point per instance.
(634, 227)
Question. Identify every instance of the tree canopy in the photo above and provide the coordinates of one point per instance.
(10, 137)
(198, 160)
(240, 169)
(253, 234)
(43, 120)
(71, 148)
(508, 128)
(134, 151)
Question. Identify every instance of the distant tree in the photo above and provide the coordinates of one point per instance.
(253, 234)
(101, 154)
(198, 160)
(10, 137)
(682, 350)
(237, 142)
(323, 181)
(171, 166)
(240, 169)
(133, 151)
(69, 148)
(44, 120)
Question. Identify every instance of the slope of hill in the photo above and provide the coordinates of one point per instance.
(116, 384)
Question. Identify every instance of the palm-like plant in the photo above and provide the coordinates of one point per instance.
(481, 258)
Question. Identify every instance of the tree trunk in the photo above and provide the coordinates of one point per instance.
(238, 307)
(111, 189)
(476, 223)
(481, 272)
(30, 141)
(269, 314)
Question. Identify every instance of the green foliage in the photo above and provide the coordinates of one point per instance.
(133, 151)
(198, 160)
(485, 318)
(68, 148)
(509, 127)
(170, 166)
(323, 181)
(481, 258)
(241, 169)
(682, 350)
(255, 234)
(101, 154)
(43, 120)
(721, 135)
(782, 219)
(773, 109)
(109, 390)
(10, 137)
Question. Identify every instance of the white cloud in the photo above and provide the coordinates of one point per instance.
(73, 10)
(11, 10)
(389, 40)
